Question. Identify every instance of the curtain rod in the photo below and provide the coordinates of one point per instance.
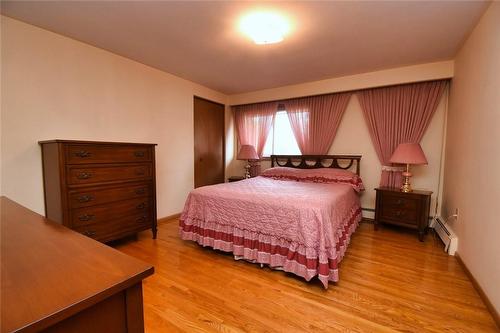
(340, 92)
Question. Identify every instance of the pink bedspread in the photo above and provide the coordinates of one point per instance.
(302, 228)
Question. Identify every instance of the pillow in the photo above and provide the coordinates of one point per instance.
(320, 175)
(279, 173)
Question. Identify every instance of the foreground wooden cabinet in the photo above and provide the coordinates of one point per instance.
(56, 280)
(104, 190)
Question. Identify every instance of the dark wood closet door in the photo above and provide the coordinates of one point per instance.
(208, 142)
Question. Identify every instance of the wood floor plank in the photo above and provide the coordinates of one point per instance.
(389, 282)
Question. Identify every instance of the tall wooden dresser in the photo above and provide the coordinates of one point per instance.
(104, 190)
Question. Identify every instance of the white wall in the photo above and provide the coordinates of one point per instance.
(353, 136)
(387, 77)
(472, 181)
(56, 87)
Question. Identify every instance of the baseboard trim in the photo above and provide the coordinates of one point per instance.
(169, 218)
(480, 291)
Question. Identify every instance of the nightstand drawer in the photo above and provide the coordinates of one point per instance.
(398, 202)
(400, 214)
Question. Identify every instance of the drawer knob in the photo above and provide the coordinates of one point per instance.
(86, 217)
(139, 154)
(140, 172)
(142, 205)
(83, 154)
(89, 233)
(84, 175)
(400, 213)
(399, 202)
(140, 191)
(85, 198)
(141, 219)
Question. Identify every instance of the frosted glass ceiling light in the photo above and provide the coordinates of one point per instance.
(264, 27)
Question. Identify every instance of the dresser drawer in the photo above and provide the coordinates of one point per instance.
(103, 213)
(86, 154)
(113, 229)
(108, 173)
(101, 195)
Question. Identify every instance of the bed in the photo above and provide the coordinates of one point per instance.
(297, 216)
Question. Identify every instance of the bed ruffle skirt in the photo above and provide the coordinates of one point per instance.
(273, 251)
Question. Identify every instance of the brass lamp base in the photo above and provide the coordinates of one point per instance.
(406, 185)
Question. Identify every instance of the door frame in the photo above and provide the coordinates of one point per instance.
(223, 136)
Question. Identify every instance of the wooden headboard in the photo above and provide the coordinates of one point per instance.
(345, 162)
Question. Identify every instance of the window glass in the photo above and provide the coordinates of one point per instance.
(281, 140)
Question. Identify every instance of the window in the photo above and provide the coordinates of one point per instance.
(281, 140)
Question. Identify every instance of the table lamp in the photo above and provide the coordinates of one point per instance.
(408, 153)
(247, 152)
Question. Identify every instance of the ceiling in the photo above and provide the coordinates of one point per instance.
(200, 41)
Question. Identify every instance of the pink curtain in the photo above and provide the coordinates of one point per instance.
(253, 123)
(398, 114)
(315, 120)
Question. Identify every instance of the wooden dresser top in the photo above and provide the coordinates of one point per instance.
(50, 272)
(95, 142)
(398, 191)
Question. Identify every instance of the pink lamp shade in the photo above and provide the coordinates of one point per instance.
(248, 152)
(408, 153)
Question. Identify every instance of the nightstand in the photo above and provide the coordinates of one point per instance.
(235, 178)
(405, 209)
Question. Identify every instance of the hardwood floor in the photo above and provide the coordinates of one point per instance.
(389, 282)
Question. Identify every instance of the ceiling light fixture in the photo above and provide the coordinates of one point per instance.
(264, 27)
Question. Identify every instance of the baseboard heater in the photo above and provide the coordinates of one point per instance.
(447, 235)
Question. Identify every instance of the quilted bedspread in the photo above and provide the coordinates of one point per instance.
(302, 228)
